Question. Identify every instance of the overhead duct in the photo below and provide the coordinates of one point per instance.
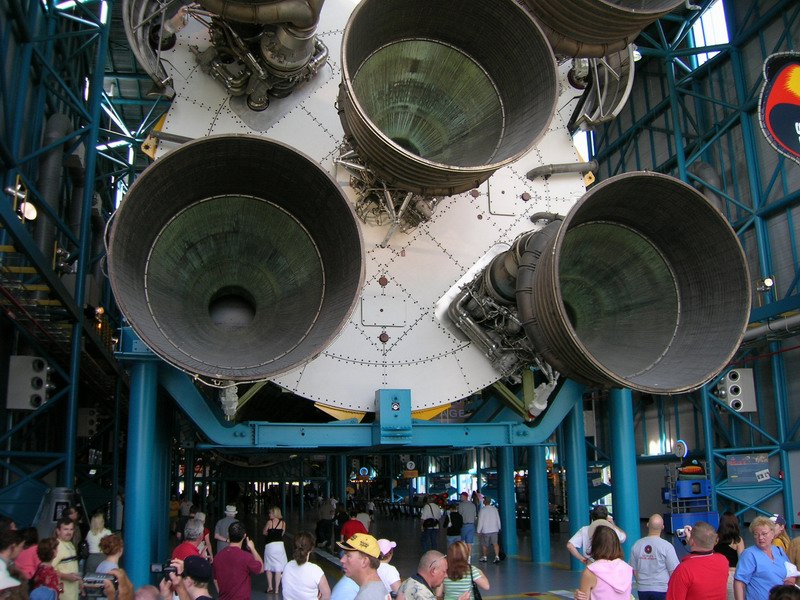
(596, 28)
(236, 257)
(51, 176)
(644, 286)
(436, 96)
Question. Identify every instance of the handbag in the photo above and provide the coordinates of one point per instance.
(430, 523)
(476, 592)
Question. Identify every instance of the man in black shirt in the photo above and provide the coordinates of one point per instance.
(453, 521)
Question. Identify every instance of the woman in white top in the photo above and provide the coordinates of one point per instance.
(389, 574)
(97, 531)
(303, 580)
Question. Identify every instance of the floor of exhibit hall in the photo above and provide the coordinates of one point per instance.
(515, 577)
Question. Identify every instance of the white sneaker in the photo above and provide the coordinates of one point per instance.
(482, 559)
(496, 559)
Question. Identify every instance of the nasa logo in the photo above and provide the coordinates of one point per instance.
(648, 549)
(779, 110)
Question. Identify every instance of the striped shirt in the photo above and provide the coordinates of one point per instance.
(453, 588)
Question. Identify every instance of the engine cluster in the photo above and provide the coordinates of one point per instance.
(259, 61)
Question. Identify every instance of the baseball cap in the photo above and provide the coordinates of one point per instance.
(464, 494)
(386, 546)
(231, 510)
(778, 519)
(362, 542)
(197, 568)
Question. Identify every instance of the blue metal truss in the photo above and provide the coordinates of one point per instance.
(708, 115)
(55, 55)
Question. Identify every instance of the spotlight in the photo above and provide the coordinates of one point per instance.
(765, 284)
(26, 211)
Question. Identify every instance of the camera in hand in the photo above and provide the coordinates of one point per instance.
(93, 583)
(164, 569)
(683, 534)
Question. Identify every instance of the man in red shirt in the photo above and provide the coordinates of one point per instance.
(192, 535)
(234, 565)
(352, 526)
(703, 574)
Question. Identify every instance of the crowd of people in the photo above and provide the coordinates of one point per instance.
(53, 568)
(366, 561)
(717, 565)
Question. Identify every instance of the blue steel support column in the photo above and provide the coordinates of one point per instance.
(751, 155)
(188, 475)
(782, 424)
(507, 499)
(139, 476)
(341, 478)
(624, 481)
(479, 468)
(708, 436)
(575, 461)
(162, 476)
(302, 495)
(538, 505)
(115, 518)
(84, 252)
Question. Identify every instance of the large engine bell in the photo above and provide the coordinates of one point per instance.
(644, 286)
(437, 95)
(595, 28)
(236, 258)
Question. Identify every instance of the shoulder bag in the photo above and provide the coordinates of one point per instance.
(476, 592)
(431, 522)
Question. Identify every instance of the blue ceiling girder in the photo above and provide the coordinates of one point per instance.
(350, 434)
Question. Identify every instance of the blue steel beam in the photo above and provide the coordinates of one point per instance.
(781, 395)
(727, 116)
(139, 483)
(575, 461)
(341, 477)
(84, 252)
(162, 476)
(507, 499)
(538, 505)
(256, 434)
(624, 488)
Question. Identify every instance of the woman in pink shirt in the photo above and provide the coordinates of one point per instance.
(27, 561)
(608, 577)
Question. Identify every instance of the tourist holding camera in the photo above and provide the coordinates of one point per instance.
(189, 580)
(234, 565)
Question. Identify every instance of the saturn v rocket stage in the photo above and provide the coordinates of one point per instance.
(353, 213)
